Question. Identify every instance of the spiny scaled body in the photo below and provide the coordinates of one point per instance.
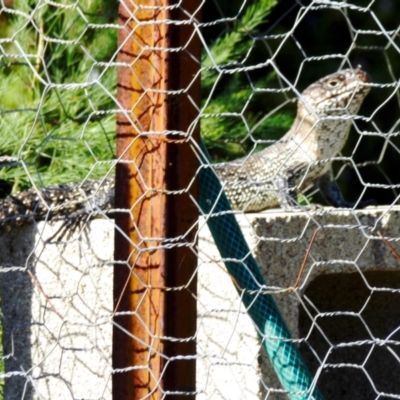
(263, 180)
(304, 156)
(89, 199)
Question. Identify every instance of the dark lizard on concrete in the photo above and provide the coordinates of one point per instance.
(267, 179)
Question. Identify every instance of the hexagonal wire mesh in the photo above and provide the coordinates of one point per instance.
(67, 331)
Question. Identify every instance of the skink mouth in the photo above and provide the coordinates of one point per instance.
(360, 84)
(362, 75)
(348, 95)
(363, 78)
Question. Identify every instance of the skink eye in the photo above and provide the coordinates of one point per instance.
(333, 83)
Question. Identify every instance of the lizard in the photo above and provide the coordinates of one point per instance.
(303, 157)
(267, 179)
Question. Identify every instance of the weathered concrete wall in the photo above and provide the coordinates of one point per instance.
(344, 314)
(57, 305)
(348, 316)
(228, 346)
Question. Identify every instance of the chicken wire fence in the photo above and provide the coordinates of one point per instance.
(149, 287)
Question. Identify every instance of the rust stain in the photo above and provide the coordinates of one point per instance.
(141, 90)
(141, 300)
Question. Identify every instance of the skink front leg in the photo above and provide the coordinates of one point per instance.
(333, 196)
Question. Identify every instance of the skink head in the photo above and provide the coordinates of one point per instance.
(341, 93)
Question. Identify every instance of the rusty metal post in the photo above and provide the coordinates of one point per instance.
(154, 276)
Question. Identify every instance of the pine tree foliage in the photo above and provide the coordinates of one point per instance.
(58, 85)
(233, 104)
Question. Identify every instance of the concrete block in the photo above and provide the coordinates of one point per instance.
(344, 314)
(57, 305)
